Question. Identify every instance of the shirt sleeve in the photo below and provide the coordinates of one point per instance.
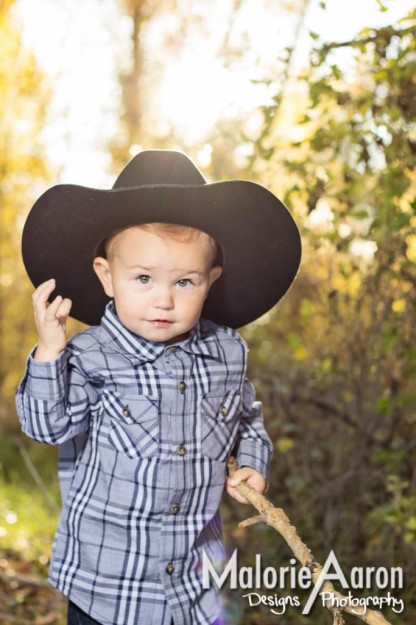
(254, 447)
(53, 400)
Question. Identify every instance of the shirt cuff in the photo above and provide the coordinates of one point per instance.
(46, 379)
(255, 456)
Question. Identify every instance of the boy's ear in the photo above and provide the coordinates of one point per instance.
(102, 269)
(214, 274)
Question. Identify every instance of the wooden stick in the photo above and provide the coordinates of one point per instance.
(276, 518)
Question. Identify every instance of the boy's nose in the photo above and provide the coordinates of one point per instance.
(164, 299)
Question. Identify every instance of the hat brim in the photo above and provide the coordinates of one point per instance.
(260, 241)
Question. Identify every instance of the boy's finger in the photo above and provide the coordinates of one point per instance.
(40, 296)
(45, 286)
(64, 309)
(53, 307)
(240, 476)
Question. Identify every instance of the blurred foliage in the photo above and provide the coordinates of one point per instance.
(335, 363)
(26, 524)
(23, 104)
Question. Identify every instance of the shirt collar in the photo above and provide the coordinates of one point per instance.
(201, 342)
(198, 341)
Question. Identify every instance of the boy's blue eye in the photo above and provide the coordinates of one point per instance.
(144, 279)
(184, 282)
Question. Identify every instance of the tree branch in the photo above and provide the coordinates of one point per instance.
(276, 518)
(386, 33)
(35, 475)
(24, 580)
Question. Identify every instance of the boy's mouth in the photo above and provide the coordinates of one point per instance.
(161, 323)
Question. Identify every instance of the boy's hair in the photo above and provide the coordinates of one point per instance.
(177, 232)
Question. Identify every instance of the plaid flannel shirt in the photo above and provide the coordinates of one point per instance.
(145, 429)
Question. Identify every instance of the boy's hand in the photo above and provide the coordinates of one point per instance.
(249, 475)
(50, 321)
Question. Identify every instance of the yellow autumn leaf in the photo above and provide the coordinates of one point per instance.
(284, 444)
(411, 247)
(399, 305)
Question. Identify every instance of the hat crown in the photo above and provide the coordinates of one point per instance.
(159, 167)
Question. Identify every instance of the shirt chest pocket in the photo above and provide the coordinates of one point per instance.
(219, 423)
(134, 424)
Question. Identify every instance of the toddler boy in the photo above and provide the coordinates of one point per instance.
(148, 404)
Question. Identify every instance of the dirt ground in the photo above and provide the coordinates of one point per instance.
(25, 596)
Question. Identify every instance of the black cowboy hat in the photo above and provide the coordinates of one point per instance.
(259, 240)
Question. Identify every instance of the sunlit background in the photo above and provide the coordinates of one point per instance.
(203, 62)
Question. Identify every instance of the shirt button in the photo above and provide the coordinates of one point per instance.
(181, 450)
(175, 509)
(181, 386)
(172, 349)
(126, 412)
(224, 410)
(169, 568)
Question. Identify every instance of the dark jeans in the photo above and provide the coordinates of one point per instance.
(77, 617)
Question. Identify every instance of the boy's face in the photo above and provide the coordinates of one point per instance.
(159, 284)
